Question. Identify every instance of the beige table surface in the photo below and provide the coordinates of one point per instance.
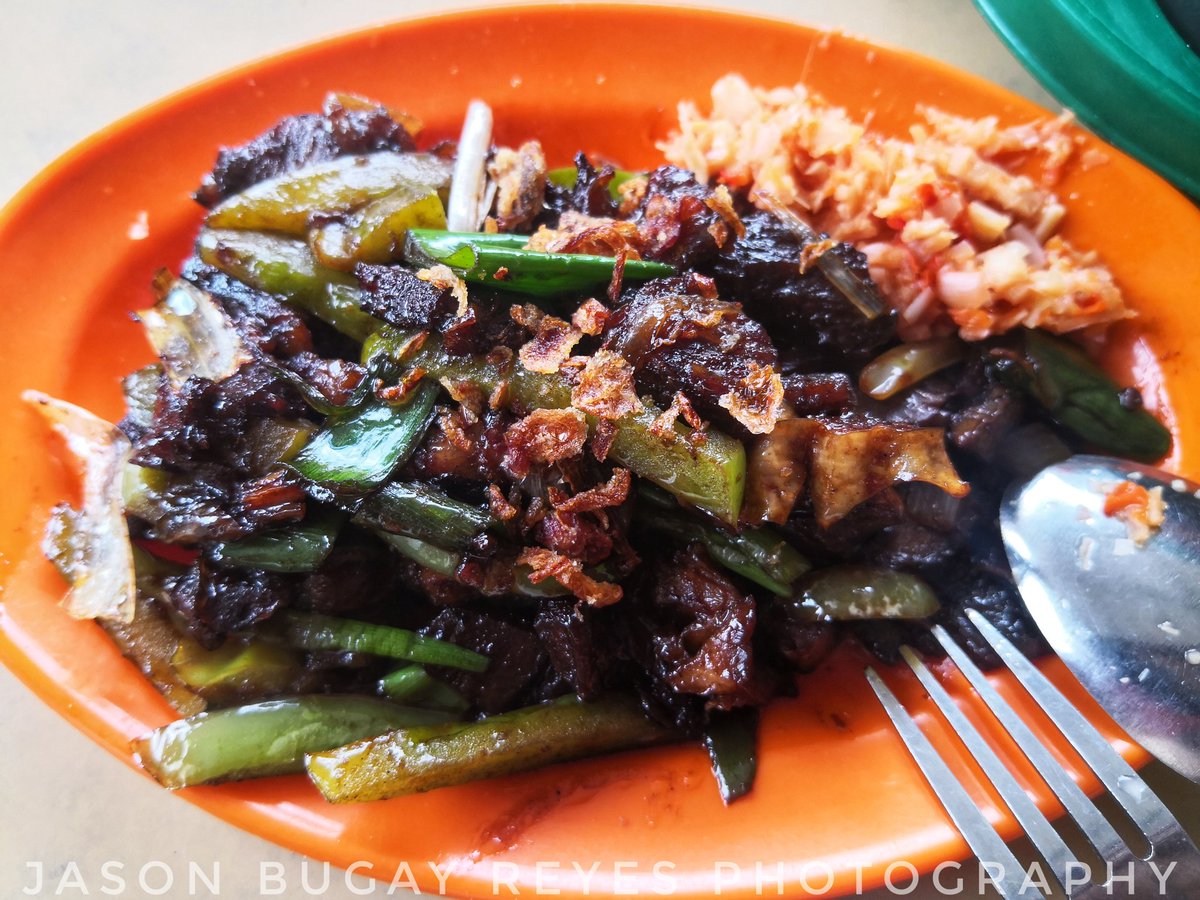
(68, 68)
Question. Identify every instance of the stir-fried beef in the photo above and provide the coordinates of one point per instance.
(516, 654)
(802, 312)
(213, 602)
(680, 340)
(694, 634)
(561, 575)
(400, 298)
(357, 575)
(588, 195)
(680, 220)
(570, 639)
(261, 320)
(302, 140)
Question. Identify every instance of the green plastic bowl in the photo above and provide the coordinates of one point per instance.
(1121, 67)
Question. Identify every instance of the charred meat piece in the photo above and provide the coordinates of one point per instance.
(261, 320)
(823, 329)
(569, 637)
(299, 141)
(682, 222)
(460, 453)
(207, 422)
(688, 342)
(700, 632)
(589, 195)
(798, 641)
(515, 652)
(356, 576)
(819, 393)
(401, 298)
(211, 603)
(396, 295)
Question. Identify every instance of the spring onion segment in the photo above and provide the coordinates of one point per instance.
(296, 548)
(424, 512)
(310, 631)
(414, 686)
(521, 271)
(758, 554)
(419, 759)
(268, 738)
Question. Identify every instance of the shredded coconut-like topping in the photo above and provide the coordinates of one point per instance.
(569, 573)
(606, 388)
(591, 317)
(551, 346)
(543, 436)
(758, 400)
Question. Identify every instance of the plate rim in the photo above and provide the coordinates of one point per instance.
(38, 680)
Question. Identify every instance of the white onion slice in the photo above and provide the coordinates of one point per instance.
(103, 584)
(192, 335)
(465, 209)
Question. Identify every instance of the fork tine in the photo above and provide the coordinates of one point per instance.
(974, 826)
(1037, 826)
(1151, 816)
(1094, 826)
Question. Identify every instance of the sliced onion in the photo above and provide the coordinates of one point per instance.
(102, 577)
(192, 335)
(861, 293)
(850, 467)
(1037, 253)
(776, 470)
(903, 366)
(465, 209)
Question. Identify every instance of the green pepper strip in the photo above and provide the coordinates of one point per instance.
(711, 475)
(269, 738)
(287, 202)
(1080, 396)
(358, 453)
(419, 759)
(310, 631)
(865, 592)
(413, 685)
(758, 554)
(422, 511)
(731, 739)
(297, 548)
(285, 266)
(520, 271)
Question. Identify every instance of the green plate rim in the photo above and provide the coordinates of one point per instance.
(1022, 27)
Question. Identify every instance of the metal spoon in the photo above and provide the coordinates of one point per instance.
(1124, 618)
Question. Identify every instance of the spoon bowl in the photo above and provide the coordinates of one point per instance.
(1123, 616)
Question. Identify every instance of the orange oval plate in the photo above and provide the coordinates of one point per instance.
(837, 798)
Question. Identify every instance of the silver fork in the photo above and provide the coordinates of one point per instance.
(1172, 867)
